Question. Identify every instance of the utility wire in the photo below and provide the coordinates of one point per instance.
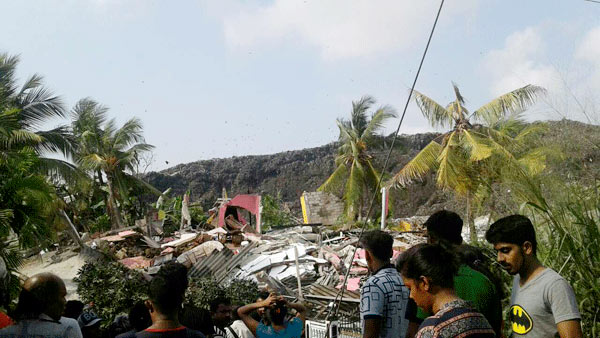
(340, 294)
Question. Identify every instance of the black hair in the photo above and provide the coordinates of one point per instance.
(214, 304)
(514, 229)
(139, 316)
(73, 309)
(196, 318)
(167, 288)
(431, 261)
(378, 243)
(277, 313)
(28, 307)
(446, 226)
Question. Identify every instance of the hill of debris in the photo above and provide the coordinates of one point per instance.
(292, 172)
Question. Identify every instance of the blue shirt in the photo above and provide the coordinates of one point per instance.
(385, 296)
(293, 329)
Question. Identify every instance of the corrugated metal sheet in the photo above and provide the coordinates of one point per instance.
(219, 264)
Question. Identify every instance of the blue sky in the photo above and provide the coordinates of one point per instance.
(226, 78)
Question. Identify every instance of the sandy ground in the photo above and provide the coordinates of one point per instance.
(65, 269)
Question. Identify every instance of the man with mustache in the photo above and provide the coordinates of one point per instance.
(542, 303)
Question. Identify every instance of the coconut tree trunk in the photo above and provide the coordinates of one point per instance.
(117, 221)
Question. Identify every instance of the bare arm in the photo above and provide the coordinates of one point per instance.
(372, 327)
(569, 329)
(300, 309)
(244, 313)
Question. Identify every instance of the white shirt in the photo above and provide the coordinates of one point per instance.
(43, 327)
(240, 329)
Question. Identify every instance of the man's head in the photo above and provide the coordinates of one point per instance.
(89, 324)
(378, 248)
(426, 269)
(42, 293)
(166, 290)
(261, 311)
(513, 238)
(220, 311)
(139, 317)
(445, 226)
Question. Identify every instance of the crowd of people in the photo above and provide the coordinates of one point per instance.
(443, 288)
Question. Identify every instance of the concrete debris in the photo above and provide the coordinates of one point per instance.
(314, 254)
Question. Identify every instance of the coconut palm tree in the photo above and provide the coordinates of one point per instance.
(355, 177)
(462, 155)
(108, 152)
(23, 111)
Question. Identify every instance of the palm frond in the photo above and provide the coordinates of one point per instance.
(514, 102)
(459, 97)
(376, 123)
(437, 115)
(477, 147)
(359, 113)
(416, 168)
(39, 105)
(354, 186)
(451, 174)
(58, 139)
(335, 182)
(129, 133)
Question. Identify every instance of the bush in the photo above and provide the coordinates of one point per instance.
(111, 287)
(202, 291)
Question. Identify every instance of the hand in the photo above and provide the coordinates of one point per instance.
(271, 300)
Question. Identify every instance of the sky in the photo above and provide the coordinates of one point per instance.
(221, 78)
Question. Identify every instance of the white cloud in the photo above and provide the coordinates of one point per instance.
(520, 63)
(589, 52)
(339, 28)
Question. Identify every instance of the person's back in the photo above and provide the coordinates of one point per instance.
(179, 332)
(165, 296)
(456, 319)
(384, 299)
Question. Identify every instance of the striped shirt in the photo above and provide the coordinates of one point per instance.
(456, 319)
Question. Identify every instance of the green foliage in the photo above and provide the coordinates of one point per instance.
(100, 224)
(202, 291)
(111, 287)
(355, 178)
(242, 291)
(273, 213)
(567, 219)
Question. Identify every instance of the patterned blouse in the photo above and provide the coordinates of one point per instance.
(456, 319)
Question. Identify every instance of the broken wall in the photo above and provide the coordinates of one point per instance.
(321, 207)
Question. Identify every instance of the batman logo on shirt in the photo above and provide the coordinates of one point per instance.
(520, 319)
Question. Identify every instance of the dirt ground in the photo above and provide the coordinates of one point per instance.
(66, 268)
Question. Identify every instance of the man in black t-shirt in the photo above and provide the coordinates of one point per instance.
(165, 295)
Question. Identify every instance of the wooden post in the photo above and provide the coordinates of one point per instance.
(300, 297)
(73, 231)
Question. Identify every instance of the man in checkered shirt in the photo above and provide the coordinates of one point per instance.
(386, 311)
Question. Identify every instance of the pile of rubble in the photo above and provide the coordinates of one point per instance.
(307, 262)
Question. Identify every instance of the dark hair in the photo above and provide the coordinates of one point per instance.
(214, 304)
(139, 316)
(431, 261)
(514, 229)
(378, 243)
(196, 318)
(167, 288)
(277, 313)
(29, 306)
(446, 226)
(73, 309)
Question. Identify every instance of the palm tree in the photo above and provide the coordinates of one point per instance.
(23, 111)
(462, 156)
(355, 176)
(107, 151)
